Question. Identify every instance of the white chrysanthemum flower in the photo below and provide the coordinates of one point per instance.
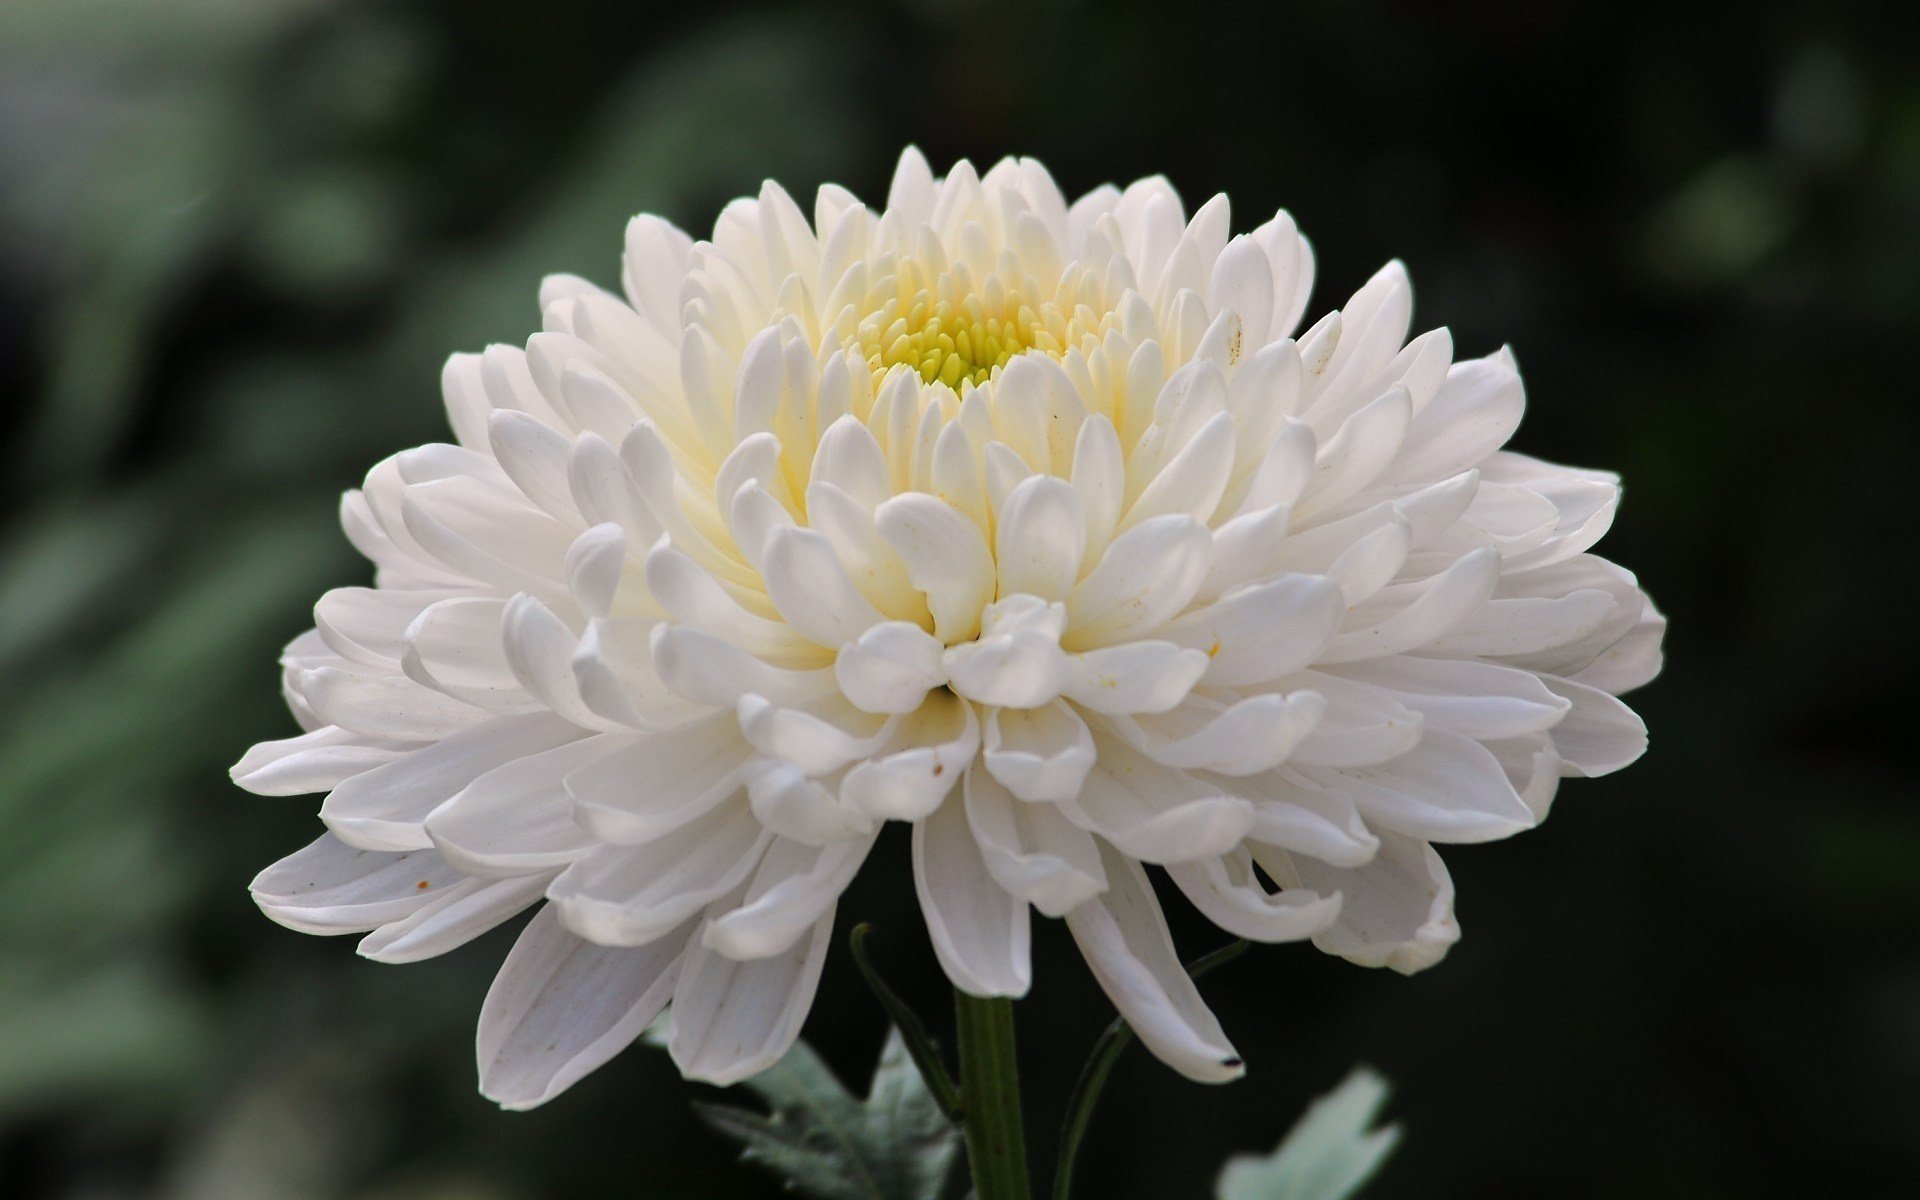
(1032, 524)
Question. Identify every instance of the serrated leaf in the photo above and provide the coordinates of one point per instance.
(829, 1144)
(1328, 1154)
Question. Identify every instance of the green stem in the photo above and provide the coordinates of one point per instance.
(924, 1051)
(990, 1097)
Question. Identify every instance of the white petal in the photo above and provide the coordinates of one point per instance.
(890, 667)
(562, 1006)
(1155, 813)
(597, 566)
(1357, 453)
(811, 589)
(1446, 789)
(385, 808)
(1397, 910)
(1041, 538)
(1630, 662)
(630, 895)
(534, 456)
(1475, 412)
(793, 805)
(517, 818)
(918, 767)
(793, 888)
(1134, 677)
(1099, 476)
(980, 933)
(1242, 738)
(947, 560)
(657, 783)
(614, 673)
(707, 670)
(1363, 724)
(1020, 668)
(824, 737)
(1039, 754)
(1191, 483)
(1033, 852)
(1294, 813)
(1228, 892)
(692, 597)
(367, 625)
(330, 887)
(1243, 547)
(1480, 700)
(540, 648)
(732, 1020)
(1600, 735)
(1446, 602)
(1263, 631)
(312, 762)
(454, 647)
(1146, 576)
(383, 705)
(460, 914)
(1125, 941)
(850, 459)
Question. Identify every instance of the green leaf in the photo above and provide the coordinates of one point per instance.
(827, 1143)
(1328, 1154)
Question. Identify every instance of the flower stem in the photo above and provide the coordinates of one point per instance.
(990, 1097)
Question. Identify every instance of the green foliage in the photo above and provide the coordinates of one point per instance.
(1328, 1154)
(825, 1142)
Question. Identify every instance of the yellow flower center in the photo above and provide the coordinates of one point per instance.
(947, 330)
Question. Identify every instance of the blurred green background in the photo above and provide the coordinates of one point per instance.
(238, 237)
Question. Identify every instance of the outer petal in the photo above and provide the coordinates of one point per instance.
(332, 887)
(734, 1019)
(980, 933)
(562, 1006)
(517, 818)
(657, 783)
(456, 918)
(628, 896)
(386, 808)
(1125, 941)
(1230, 894)
(1398, 909)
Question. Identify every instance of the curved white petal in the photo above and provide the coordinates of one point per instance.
(947, 559)
(460, 914)
(1229, 892)
(733, 1019)
(1397, 909)
(1034, 853)
(980, 933)
(331, 887)
(517, 818)
(651, 785)
(1038, 754)
(561, 1006)
(1125, 941)
(631, 895)
(907, 779)
(793, 887)
(386, 808)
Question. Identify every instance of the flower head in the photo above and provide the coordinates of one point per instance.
(1034, 525)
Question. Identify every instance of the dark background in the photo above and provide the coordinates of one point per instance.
(238, 237)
